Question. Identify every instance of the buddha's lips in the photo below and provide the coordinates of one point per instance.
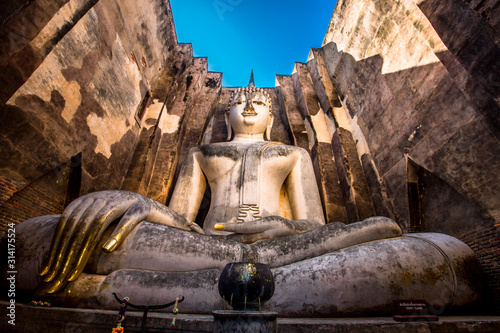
(248, 113)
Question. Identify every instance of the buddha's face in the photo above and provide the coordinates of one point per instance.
(249, 113)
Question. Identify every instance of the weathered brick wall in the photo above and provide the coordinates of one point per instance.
(33, 200)
(7, 188)
(47, 195)
(486, 244)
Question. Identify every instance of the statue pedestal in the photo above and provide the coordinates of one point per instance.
(244, 321)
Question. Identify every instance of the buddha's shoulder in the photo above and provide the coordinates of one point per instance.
(220, 149)
(281, 148)
(235, 150)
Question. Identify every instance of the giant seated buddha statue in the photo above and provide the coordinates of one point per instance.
(265, 207)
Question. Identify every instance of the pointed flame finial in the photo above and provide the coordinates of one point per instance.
(251, 83)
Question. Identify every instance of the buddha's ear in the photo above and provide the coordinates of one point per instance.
(228, 126)
(269, 127)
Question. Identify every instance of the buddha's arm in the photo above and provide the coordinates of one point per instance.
(189, 189)
(303, 194)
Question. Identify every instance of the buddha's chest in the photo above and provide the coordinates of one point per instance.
(244, 164)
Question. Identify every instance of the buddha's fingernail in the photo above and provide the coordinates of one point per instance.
(219, 226)
(44, 271)
(74, 275)
(55, 287)
(50, 277)
(110, 245)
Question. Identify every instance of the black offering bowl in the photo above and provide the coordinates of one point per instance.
(246, 285)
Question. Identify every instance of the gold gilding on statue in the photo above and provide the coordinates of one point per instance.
(110, 245)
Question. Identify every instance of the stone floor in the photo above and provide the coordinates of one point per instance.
(37, 319)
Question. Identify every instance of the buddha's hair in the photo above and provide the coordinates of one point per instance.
(251, 90)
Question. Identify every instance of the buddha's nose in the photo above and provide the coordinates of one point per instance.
(249, 106)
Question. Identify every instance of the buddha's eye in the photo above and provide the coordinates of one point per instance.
(258, 102)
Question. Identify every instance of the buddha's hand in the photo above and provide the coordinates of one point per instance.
(266, 228)
(84, 221)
